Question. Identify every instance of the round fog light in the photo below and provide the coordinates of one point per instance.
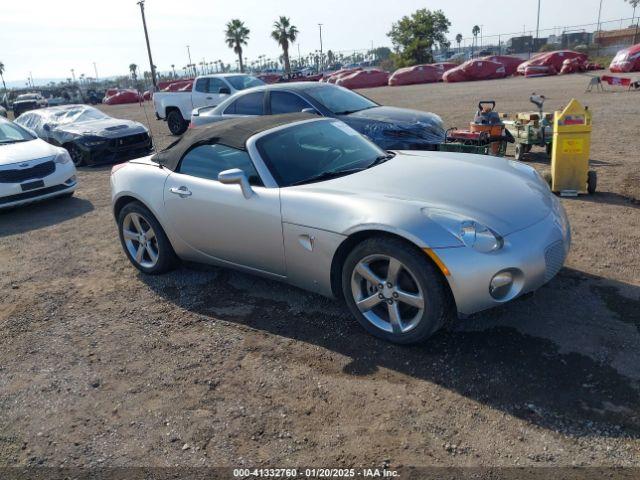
(500, 285)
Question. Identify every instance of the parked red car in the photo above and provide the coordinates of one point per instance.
(416, 74)
(475, 70)
(123, 96)
(509, 63)
(626, 60)
(364, 79)
(551, 59)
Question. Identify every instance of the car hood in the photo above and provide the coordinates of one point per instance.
(397, 123)
(504, 195)
(25, 151)
(108, 128)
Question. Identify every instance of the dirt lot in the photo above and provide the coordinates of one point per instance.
(100, 365)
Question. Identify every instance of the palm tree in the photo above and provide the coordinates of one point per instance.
(634, 4)
(459, 40)
(132, 68)
(173, 67)
(4, 85)
(283, 33)
(475, 31)
(237, 35)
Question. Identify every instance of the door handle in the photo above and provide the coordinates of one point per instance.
(209, 98)
(182, 191)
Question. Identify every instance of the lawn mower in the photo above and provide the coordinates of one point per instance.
(531, 129)
(486, 134)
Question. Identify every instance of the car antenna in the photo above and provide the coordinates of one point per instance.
(144, 108)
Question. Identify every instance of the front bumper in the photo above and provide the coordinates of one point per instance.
(61, 182)
(116, 149)
(534, 256)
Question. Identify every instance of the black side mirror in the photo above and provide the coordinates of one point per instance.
(224, 91)
(46, 127)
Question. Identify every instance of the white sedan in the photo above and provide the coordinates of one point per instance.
(31, 169)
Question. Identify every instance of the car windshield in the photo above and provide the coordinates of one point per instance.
(12, 133)
(80, 114)
(316, 151)
(27, 97)
(340, 100)
(242, 82)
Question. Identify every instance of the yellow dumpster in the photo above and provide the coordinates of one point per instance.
(570, 173)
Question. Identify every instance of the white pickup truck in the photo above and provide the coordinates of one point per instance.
(207, 91)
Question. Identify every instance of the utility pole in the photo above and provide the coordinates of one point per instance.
(95, 69)
(73, 74)
(320, 62)
(538, 22)
(598, 32)
(146, 36)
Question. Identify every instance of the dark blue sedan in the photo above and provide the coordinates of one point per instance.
(391, 128)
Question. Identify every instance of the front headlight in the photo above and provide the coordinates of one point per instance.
(471, 233)
(63, 157)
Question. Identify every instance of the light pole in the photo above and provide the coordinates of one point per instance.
(320, 62)
(538, 22)
(598, 31)
(95, 69)
(73, 74)
(146, 36)
(189, 55)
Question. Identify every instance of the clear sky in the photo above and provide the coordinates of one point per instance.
(50, 37)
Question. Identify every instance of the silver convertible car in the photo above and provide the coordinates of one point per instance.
(406, 238)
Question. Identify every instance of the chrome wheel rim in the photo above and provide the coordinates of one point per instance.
(387, 293)
(140, 240)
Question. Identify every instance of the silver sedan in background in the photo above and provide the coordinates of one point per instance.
(407, 238)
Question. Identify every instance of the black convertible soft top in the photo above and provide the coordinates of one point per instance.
(233, 133)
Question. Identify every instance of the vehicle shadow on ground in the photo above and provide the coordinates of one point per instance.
(566, 358)
(41, 214)
(610, 198)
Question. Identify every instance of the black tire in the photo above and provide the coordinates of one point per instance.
(175, 122)
(67, 195)
(527, 148)
(438, 306)
(592, 182)
(549, 149)
(77, 157)
(167, 259)
(547, 177)
(519, 155)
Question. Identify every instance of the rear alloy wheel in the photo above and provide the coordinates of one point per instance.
(520, 151)
(76, 155)
(144, 240)
(176, 123)
(394, 291)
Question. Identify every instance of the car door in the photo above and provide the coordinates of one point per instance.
(287, 102)
(200, 95)
(217, 220)
(246, 105)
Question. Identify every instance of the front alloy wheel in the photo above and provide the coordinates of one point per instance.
(394, 290)
(76, 155)
(140, 239)
(387, 293)
(144, 241)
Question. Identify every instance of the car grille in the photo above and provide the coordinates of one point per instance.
(18, 175)
(554, 257)
(128, 140)
(32, 194)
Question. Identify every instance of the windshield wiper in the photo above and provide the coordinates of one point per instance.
(327, 176)
(381, 159)
(13, 141)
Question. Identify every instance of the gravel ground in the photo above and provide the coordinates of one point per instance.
(101, 366)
